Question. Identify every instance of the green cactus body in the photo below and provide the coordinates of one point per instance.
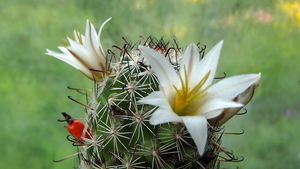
(122, 136)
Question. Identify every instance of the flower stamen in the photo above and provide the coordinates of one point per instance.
(186, 96)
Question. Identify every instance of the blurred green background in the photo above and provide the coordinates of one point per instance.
(260, 36)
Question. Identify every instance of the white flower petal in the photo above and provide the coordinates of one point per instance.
(165, 72)
(93, 45)
(71, 60)
(246, 96)
(228, 113)
(164, 113)
(213, 114)
(156, 99)
(231, 87)
(66, 57)
(190, 58)
(208, 63)
(161, 116)
(209, 109)
(197, 127)
(100, 29)
(78, 37)
(79, 51)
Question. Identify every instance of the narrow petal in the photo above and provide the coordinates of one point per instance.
(78, 37)
(190, 58)
(209, 109)
(93, 45)
(161, 116)
(246, 96)
(228, 113)
(79, 50)
(213, 114)
(156, 99)
(165, 72)
(208, 63)
(101, 27)
(231, 87)
(164, 113)
(65, 56)
(197, 127)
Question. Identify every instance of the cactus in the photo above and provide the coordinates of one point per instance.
(120, 128)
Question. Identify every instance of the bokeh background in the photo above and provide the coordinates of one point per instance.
(260, 36)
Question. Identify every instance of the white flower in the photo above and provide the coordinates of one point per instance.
(85, 53)
(188, 96)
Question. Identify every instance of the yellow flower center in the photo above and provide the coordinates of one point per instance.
(185, 96)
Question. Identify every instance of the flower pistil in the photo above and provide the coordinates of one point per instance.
(185, 96)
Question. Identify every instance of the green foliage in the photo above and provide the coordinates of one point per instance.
(32, 84)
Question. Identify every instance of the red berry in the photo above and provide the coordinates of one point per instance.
(77, 128)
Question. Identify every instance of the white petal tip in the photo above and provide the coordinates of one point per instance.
(220, 44)
(107, 20)
(48, 51)
(259, 75)
(256, 79)
(142, 47)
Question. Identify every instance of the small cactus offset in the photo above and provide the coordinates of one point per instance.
(153, 104)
